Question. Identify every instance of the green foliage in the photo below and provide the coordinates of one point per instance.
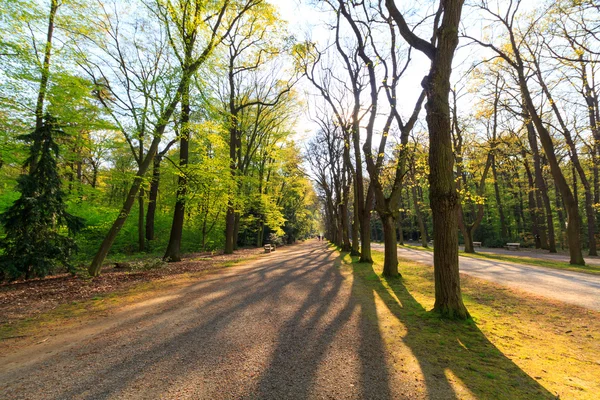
(35, 242)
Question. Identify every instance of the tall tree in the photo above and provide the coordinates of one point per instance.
(34, 244)
(386, 204)
(444, 199)
(512, 56)
(216, 21)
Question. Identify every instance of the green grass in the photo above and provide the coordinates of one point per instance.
(491, 356)
(410, 246)
(539, 262)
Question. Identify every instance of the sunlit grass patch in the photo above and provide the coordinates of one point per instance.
(517, 346)
(540, 262)
(589, 269)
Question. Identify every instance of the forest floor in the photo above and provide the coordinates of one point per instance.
(23, 303)
(578, 288)
(306, 322)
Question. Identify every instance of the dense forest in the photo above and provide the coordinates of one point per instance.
(146, 127)
(169, 127)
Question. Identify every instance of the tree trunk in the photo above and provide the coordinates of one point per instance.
(419, 216)
(141, 238)
(574, 225)
(591, 100)
(549, 220)
(503, 228)
(443, 197)
(344, 228)
(173, 252)
(355, 251)
(532, 204)
(591, 217)
(152, 198)
(236, 230)
(260, 234)
(561, 219)
(468, 235)
(108, 241)
(229, 228)
(45, 75)
(547, 242)
(390, 265)
(400, 230)
(365, 228)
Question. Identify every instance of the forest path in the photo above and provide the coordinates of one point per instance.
(292, 324)
(570, 287)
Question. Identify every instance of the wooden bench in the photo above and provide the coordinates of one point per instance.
(512, 246)
(269, 248)
(476, 244)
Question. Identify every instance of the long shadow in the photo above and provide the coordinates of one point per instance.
(319, 325)
(194, 340)
(152, 348)
(322, 323)
(450, 350)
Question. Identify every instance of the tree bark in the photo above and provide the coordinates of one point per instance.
(547, 242)
(419, 216)
(152, 198)
(503, 227)
(390, 264)
(365, 226)
(141, 238)
(355, 251)
(443, 197)
(173, 251)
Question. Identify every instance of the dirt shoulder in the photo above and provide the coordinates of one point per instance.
(24, 304)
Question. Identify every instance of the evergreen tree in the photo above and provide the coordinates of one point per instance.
(35, 225)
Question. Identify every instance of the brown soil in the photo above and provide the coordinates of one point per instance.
(26, 299)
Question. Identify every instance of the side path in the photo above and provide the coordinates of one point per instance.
(286, 326)
(571, 287)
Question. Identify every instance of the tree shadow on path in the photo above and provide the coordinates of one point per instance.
(451, 354)
(327, 348)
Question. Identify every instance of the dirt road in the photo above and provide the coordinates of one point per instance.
(571, 287)
(282, 327)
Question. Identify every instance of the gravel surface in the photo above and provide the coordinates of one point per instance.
(285, 326)
(571, 287)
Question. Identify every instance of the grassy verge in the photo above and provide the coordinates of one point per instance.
(410, 246)
(516, 347)
(539, 262)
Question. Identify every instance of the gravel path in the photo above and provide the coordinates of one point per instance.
(286, 326)
(571, 287)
